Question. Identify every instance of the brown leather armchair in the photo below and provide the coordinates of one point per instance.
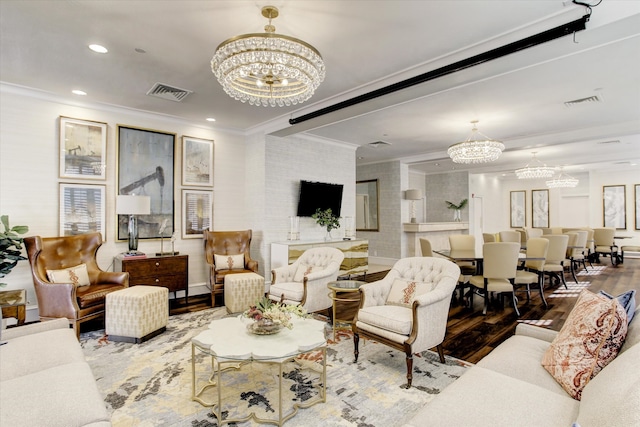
(77, 303)
(227, 243)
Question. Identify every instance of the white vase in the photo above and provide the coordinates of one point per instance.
(456, 215)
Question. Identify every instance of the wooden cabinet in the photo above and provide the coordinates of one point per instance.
(356, 253)
(170, 271)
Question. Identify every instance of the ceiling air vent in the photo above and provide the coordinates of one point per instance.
(582, 101)
(171, 93)
(378, 144)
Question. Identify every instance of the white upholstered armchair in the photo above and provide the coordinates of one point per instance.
(408, 309)
(305, 281)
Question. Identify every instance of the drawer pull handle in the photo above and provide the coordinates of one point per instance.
(157, 264)
(157, 280)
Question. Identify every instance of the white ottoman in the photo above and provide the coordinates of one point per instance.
(241, 290)
(137, 313)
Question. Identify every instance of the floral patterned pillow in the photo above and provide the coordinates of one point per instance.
(305, 270)
(588, 341)
(404, 292)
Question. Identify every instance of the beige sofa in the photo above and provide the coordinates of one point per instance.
(45, 380)
(509, 387)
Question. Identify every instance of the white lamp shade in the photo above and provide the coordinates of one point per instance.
(133, 205)
(413, 194)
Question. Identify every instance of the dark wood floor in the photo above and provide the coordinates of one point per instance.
(471, 336)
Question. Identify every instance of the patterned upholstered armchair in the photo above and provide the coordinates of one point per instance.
(408, 309)
(305, 281)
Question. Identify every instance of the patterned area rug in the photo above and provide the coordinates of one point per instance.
(149, 384)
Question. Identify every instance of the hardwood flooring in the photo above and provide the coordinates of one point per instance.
(471, 336)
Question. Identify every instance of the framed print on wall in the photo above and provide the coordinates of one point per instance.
(637, 200)
(540, 208)
(82, 209)
(614, 206)
(518, 209)
(197, 213)
(146, 168)
(83, 149)
(197, 162)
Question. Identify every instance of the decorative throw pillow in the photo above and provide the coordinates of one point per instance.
(404, 292)
(305, 270)
(590, 338)
(626, 300)
(77, 275)
(229, 262)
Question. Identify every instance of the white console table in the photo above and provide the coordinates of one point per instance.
(437, 232)
(356, 253)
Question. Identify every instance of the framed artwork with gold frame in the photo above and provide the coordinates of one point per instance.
(83, 149)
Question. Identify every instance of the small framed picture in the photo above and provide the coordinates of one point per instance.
(540, 208)
(82, 209)
(518, 209)
(83, 149)
(614, 206)
(197, 162)
(197, 213)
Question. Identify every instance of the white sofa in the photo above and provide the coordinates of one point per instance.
(509, 387)
(45, 380)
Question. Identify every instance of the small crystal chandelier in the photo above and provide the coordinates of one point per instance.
(475, 150)
(563, 180)
(535, 169)
(268, 69)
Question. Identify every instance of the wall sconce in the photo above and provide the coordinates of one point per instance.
(413, 195)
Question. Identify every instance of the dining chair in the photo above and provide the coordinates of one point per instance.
(500, 264)
(533, 272)
(571, 244)
(534, 232)
(463, 242)
(488, 237)
(590, 245)
(578, 252)
(604, 244)
(425, 247)
(509, 236)
(556, 255)
(523, 238)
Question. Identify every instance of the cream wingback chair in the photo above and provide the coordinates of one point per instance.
(305, 281)
(409, 308)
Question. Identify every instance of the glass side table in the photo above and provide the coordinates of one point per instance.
(349, 292)
(14, 304)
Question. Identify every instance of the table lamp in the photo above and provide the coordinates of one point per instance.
(133, 205)
(413, 195)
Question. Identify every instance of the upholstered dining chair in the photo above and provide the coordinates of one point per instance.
(509, 236)
(604, 244)
(408, 309)
(425, 247)
(67, 279)
(590, 245)
(227, 252)
(500, 263)
(577, 254)
(556, 256)
(304, 282)
(533, 271)
(488, 237)
(523, 238)
(463, 242)
(534, 232)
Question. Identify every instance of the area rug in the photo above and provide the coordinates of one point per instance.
(149, 384)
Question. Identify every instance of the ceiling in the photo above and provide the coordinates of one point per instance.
(518, 99)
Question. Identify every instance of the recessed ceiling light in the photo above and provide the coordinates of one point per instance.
(79, 92)
(211, 119)
(98, 49)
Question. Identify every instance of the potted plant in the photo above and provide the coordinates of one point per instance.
(326, 219)
(10, 246)
(457, 208)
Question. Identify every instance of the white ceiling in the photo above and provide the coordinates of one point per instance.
(518, 99)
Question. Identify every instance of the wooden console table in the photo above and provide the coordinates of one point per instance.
(169, 271)
(14, 304)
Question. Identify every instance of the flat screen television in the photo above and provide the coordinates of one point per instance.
(319, 195)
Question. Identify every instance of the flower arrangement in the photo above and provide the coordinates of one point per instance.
(326, 218)
(276, 313)
(457, 207)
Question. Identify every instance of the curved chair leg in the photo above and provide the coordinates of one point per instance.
(440, 352)
(356, 340)
(409, 368)
(573, 270)
(515, 303)
(541, 288)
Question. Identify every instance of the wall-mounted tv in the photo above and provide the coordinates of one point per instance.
(319, 195)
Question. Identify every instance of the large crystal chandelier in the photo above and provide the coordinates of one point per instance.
(535, 169)
(476, 150)
(268, 69)
(563, 180)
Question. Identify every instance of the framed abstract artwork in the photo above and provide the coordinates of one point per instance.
(540, 208)
(82, 209)
(83, 149)
(518, 209)
(197, 213)
(146, 168)
(614, 206)
(197, 162)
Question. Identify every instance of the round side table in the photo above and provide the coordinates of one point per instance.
(350, 291)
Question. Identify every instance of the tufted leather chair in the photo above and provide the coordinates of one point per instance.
(226, 243)
(412, 329)
(79, 304)
(305, 281)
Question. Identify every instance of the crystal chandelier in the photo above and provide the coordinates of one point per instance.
(535, 169)
(475, 150)
(268, 69)
(563, 181)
